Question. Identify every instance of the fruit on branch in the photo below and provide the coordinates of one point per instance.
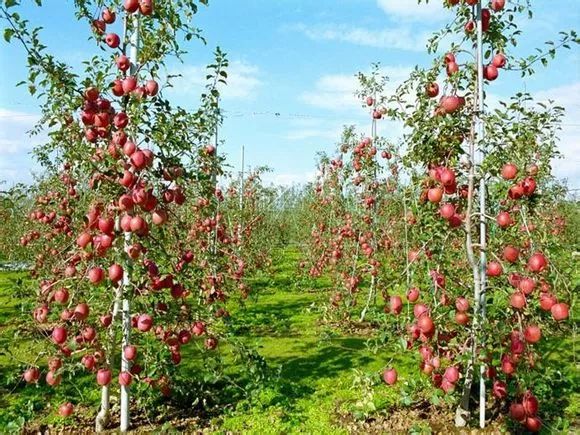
(452, 68)
(537, 263)
(131, 6)
(560, 311)
(494, 268)
(112, 40)
(65, 410)
(125, 378)
(509, 171)
(390, 376)
(504, 219)
(435, 194)
(518, 300)
(115, 272)
(59, 335)
(108, 16)
(104, 377)
(532, 334)
(151, 88)
(53, 379)
(123, 62)
(144, 322)
(499, 60)
(146, 7)
(497, 5)
(96, 275)
(432, 90)
(511, 253)
(490, 72)
(31, 375)
(129, 84)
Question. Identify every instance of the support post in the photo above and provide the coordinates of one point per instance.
(126, 286)
(480, 131)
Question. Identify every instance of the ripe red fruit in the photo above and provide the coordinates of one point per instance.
(125, 378)
(447, 177)
(104, 377)
(450, 104)
(537, 263)
(532, 334)
(447, 211)
(108, 16)
(499, 60)
(526, 285)
(494, 269)
(461, 318)
(106, 320)
(115, 272)
(152, 88)
(210, 343)
(31, 375)
(499, 389)
(490, 72)
(138, 225)
(509, 171)
(59, 335)
(130, 352)
(106, 225)
(511, 253)
(504, 219)
(451, 374)
(413, 294)
(112, 40)
(518, 300)
(462, 304)
(533, 424)
(84, 239)
(129, 84)
(516, 192)
(470, 26)
(123, 63)
(131, 5)
(370, 101)
(395, 304)
(560, 311)
(146, 7)
(497, 5)
(528, 186)
(88, 361)
(547, 301)
(61, 296)
(485, 19)
(390, 376)
(95, 275)
(517, 411)
(432, 90)
(65, 410)
(53, 379)
(530, 404)
(144, 322)
(452, 68)
(419, 310)
(449, 57)
(435, 194)
(117, 88)
(81, 312)
(426, 325)
(198, 328)
(91, 94)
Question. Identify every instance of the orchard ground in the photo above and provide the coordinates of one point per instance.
(311, 376)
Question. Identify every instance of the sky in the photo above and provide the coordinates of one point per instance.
(292, 75)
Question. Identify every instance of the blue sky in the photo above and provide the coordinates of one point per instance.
(295, 58)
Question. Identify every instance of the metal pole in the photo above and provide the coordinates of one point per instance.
(482, 205)
(126, 304)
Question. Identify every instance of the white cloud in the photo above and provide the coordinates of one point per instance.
(567, 97)
(243, 80)
(335, 92)
(402, 38)
(13, 131)
(412, 10)
(288, 178)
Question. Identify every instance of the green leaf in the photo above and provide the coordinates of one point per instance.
(8, 33)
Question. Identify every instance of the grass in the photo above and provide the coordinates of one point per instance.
(315, 374)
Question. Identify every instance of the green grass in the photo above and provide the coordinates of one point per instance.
(315, 373)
